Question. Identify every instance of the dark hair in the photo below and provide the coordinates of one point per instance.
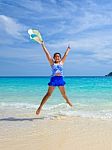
(56, 54)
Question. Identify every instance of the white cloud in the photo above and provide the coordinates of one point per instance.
(91, 15)
(69, 17)
(93, 45)
(12, 27)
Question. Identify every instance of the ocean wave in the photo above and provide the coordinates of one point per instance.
(63, 109)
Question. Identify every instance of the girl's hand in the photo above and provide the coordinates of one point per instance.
(69, 46)
(42, 42)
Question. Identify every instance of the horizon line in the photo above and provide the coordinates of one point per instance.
(50, 76)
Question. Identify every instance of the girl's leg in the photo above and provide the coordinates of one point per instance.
(48, 94)
(62, 90)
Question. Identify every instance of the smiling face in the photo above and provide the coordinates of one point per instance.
(57, 57)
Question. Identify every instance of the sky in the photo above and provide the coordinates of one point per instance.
(84, 24)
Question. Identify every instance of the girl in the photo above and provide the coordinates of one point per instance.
(57, 76)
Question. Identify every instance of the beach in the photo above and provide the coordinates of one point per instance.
(28, 131)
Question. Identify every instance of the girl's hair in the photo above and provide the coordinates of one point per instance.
(56, 54)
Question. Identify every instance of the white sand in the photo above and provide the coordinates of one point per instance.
(27, 132)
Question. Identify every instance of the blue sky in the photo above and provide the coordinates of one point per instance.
(84, 24)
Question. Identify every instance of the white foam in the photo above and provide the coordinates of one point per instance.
(18, 105)
(62, 109)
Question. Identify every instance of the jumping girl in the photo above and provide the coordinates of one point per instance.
(56, 64)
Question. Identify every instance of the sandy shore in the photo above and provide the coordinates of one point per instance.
(62, 133)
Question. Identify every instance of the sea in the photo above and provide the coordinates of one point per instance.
(90, 95)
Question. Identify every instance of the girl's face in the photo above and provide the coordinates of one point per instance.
(57, 58)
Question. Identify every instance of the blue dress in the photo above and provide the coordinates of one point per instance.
(57, 75)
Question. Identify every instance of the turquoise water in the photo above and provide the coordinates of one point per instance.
(91, 96)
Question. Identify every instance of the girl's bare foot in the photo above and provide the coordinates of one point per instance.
(70, 103)
(38, 111)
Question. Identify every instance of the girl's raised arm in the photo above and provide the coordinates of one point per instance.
(65, 55)
(47, 53)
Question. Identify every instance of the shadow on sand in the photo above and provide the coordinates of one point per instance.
(21, 119)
